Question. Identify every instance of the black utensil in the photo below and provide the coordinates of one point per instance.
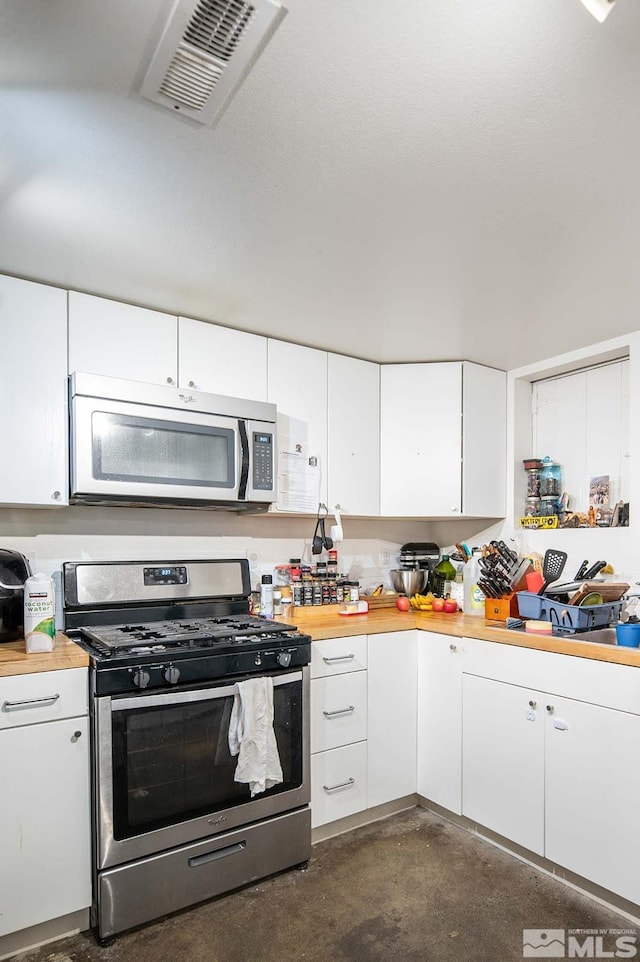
(581, 570)
(552, 567)
(593, 570)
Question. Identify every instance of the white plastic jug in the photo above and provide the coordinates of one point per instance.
(473, 595)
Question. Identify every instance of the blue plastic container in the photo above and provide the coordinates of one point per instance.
(628, 635)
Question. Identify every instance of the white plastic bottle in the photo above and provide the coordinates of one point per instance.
(473, 595)
(39, 613)
(266, 597)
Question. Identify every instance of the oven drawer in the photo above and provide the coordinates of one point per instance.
(43, 696)
(335, 656)
(338, 710)
(338, 783)
(147, 889)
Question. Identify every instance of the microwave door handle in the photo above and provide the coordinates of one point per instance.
(244, 466)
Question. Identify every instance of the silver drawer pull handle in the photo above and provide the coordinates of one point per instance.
(334, 788)
(214, 856)
(339, 711)
(330, 661)
(29, 703)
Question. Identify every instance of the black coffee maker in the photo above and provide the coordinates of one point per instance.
(14, 571)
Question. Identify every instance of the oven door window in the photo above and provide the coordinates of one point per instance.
(172, 762)
(146, 450)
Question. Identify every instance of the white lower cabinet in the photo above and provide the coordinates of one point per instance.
(503, 760)
(439, 749)
(338, 728)
(392, 709)
(338, 783)
(592, 788)
(44, 804)
(557, 775)
(363, 722)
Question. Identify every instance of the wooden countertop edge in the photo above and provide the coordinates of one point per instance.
(321, 624)
(14, 660)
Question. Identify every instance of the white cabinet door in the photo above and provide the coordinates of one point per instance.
(439, 776)
(338, 783)
(484, 450)
(121, 340)
(354, 435)
(392, 707)
(221, 361)
(44, 823)
(297, 385)
(503, 759)
(591, 793)
(33, 393)
(421, 439)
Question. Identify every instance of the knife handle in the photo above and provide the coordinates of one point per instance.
(581, 570)
(593, 570)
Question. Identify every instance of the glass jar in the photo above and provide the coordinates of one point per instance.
(550, 479)
(533, 508)
(533, 467)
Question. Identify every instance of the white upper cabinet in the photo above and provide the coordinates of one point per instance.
(442, 440)
(33, 392)
(484, 441)
(354, 435)
(297, 385)
(120, 340)
(221, 361)
(420, 439)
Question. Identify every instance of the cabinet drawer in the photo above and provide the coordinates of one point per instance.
(335, 656)
(43, 696)
(338, 710)
(338, 783)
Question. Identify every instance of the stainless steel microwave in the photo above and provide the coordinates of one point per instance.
(144, 444)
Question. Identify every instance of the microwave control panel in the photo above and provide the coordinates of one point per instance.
(262, 461)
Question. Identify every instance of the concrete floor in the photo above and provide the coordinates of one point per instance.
(411, 888)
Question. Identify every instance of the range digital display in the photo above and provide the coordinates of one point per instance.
(174, 575)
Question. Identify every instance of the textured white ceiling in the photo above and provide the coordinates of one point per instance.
(399, 181)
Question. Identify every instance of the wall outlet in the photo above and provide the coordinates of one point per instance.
(385, 559)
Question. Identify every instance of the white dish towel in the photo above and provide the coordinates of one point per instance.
(251, 735)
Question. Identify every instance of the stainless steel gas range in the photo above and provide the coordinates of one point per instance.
(168, 643)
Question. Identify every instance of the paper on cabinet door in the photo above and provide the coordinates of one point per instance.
(298, 468)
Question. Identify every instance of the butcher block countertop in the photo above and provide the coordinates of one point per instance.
(15, 661)
(325, 622)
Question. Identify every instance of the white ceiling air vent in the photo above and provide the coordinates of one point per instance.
(207, 49)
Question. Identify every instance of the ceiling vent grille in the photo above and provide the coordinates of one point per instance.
(207, 49)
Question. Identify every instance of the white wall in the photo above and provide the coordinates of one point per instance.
(50, 537)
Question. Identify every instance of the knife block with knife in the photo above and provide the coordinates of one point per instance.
(504, 574)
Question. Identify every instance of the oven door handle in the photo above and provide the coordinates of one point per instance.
(165, 699)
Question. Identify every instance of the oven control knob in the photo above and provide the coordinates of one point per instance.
(284, 659)
(172, 675)
(141, 678)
